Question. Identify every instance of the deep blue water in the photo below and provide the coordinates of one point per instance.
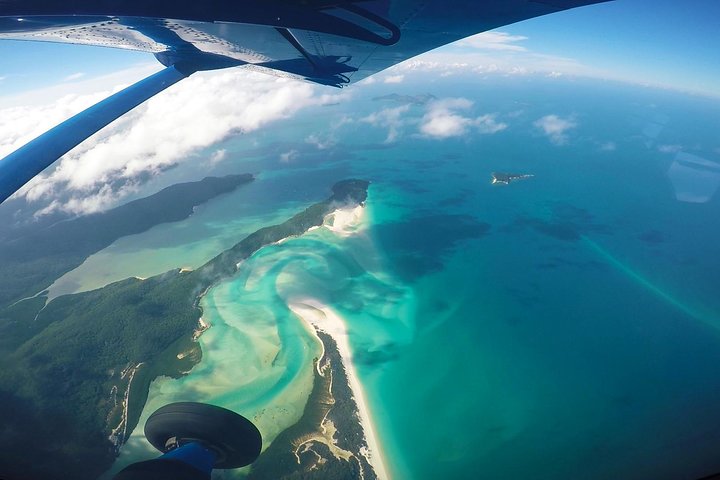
(566, 325)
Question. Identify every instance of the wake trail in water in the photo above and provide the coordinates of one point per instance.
(651, 287)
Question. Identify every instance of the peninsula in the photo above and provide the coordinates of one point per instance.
(33, 260)
(84, 368)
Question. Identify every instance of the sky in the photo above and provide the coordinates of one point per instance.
(659, 42)
(666, 43)
(669, 42)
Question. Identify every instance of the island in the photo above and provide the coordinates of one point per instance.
(500, 178)
(32, 259)
(77, 370)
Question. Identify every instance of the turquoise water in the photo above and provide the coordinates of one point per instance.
(564, 326)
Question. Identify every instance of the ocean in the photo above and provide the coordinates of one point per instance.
(562, 326)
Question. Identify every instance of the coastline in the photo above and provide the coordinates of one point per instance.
(226, 264)
(322, 318)
(336, 436)
(345, 222)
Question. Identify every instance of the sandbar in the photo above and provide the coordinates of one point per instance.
(322, 317)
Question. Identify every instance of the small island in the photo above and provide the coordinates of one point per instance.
(501, 178)
(32, 261)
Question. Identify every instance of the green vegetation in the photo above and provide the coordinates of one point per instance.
(32, 262)
(67, 367)
(331, 400)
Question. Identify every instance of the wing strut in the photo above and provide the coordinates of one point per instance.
(24, 163)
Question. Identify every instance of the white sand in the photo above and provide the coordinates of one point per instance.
(324, 318)
(345, 221)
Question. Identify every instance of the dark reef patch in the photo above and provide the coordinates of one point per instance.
(565, 222)
(455, 200)
(652, 237)
(412, 186)
(451, 156)
(378, 355)
(416, 246)
(565, 231)
(528, 298)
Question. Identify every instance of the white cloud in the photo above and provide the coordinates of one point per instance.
(488, 124)
(669, 148)
(217, 156)
(495, 53)
(494, 41)
(390, 118)
(555, 128)
(342, 121)
(334, 98)
(608, 146)
(444, 126)
(457, 60)
(19, 125)
(443, 120)
(394, 79)
(163, 132)
(289, 156)
(367, 81)
(74, 76)
(103, 197)
(320, 142)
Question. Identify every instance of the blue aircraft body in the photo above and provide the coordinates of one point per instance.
(329, 42)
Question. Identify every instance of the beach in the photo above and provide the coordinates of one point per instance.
(345, 221)
(322, 318)
(319, 317)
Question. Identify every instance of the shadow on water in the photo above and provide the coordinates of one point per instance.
(417, 246)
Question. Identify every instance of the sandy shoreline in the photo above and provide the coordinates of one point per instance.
(323, 318)
(345, 221)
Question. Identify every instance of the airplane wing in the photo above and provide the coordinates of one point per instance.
(329, 42)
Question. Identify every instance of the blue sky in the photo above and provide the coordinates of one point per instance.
(31, 65)
(660, 42)
(672, 42)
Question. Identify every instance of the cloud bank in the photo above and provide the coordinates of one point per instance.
(555, 128)
(74, 76)
(394, 79)
(390, 118)
(495, 53)
(494, 41)
(444, 119)
(194, 114)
